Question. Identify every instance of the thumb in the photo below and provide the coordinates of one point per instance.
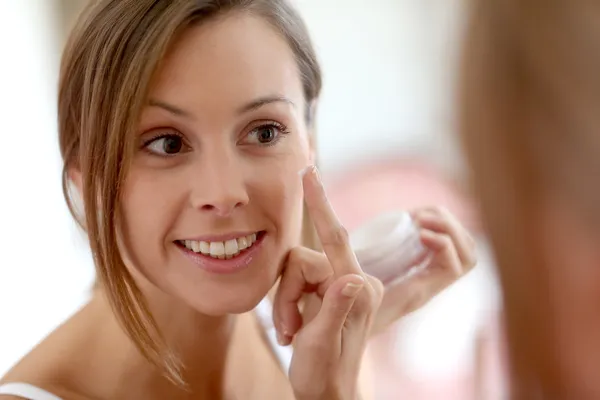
(337, 303)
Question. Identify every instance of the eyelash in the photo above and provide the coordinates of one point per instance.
(161, 135)
(283, 131)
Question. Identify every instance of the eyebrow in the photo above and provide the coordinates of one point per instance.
(169, 107)
(253, 105)
(263, 101)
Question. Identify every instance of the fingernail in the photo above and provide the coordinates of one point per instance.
(352, 289)
(281, 339)
(311, 169)
(285, 330)
(304, 170)
(316, 173)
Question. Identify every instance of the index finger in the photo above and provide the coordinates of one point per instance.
(334, 237)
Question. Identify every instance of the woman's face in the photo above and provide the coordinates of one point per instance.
(213, 200)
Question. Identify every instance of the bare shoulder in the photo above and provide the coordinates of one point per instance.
(52, 374)
(49, 365)
(35, 370)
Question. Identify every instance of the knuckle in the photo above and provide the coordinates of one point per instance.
(444, 211)
(294, 256)
(455, 273)
(338, 235)
(377, 299)
(446, 241)
(373, 295)
(440, 210)
(318, 270)
(378, 287)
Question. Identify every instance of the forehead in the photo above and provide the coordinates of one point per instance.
(227, 60)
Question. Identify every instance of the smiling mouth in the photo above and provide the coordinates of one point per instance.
(222, 250)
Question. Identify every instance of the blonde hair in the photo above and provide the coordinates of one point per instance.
(531, 128)
(107, 65)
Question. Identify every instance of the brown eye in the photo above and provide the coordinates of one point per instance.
(266, 134)
(166, 145)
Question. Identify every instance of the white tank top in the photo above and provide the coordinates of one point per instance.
(264, 313)
(26, 391)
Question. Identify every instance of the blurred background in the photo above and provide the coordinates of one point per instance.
(385, 128)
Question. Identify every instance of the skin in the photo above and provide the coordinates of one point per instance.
(452, 251)
(212, 72)
(230, 100)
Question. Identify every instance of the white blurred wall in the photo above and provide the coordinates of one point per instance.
(43, 275)
(387, 69)
(388, 72)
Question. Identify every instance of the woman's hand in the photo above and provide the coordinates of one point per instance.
(453, 255)
(328, 349)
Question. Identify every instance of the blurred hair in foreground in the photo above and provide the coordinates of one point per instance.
(530, 123)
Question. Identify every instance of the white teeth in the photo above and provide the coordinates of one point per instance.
(196, 246)
(221, 250)
(205, 247)
(231, 247)
(217, 249)
(242, 243)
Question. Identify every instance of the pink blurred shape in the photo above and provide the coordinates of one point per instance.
(370, 189)
(367, 190)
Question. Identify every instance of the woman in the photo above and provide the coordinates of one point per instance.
(183, 128)
(531, 127)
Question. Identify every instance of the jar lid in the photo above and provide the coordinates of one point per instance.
(388, 245)
(386, 231)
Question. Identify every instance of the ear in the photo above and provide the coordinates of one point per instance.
(75, 177)
(76, 182)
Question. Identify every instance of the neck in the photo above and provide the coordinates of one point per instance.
(200, 342)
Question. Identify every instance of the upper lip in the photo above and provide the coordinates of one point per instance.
(220, 238)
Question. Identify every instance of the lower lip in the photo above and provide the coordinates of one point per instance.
(230, 266)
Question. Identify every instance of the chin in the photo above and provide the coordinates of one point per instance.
(219, 298)
(227, 303)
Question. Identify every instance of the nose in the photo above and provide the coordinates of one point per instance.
(220, 187)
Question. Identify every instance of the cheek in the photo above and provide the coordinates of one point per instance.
(149, 208)
(277, 190)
